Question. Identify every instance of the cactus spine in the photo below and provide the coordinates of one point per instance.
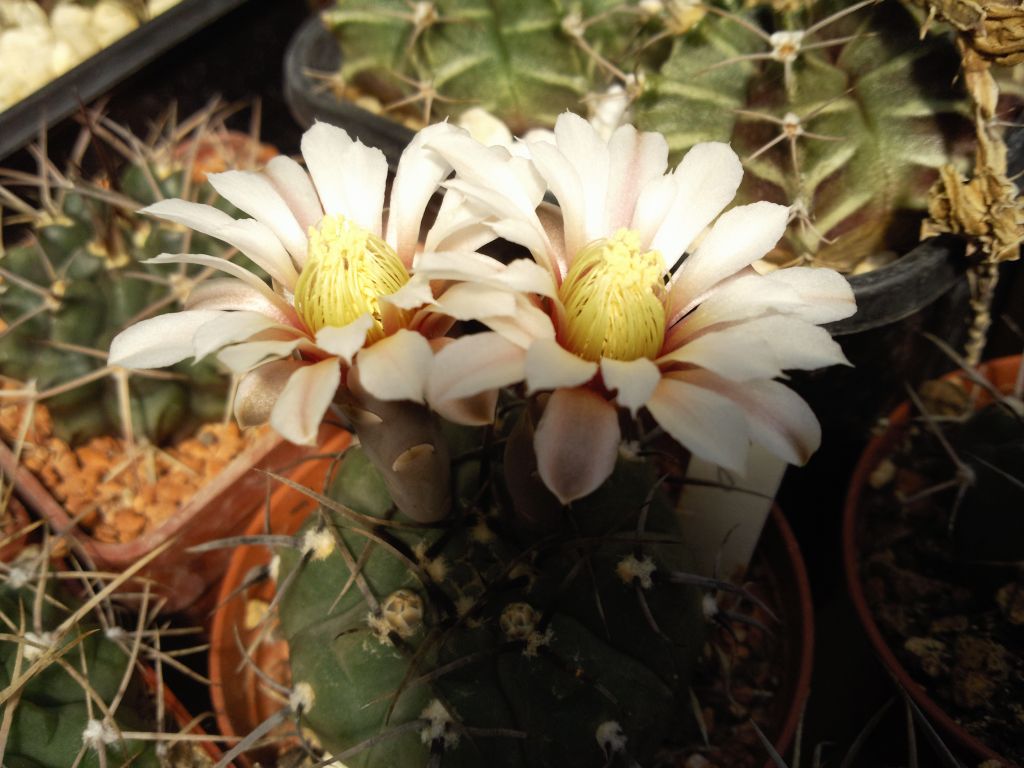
(483, 640)
(80, 277)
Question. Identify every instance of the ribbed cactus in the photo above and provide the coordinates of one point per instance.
(485, 641)
(837, 109)
(52, 720)
(525, 62)
(77, 280)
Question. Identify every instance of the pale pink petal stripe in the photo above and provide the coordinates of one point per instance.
(577, 443)
(305, 398)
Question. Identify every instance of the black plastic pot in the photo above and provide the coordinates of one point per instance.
(99, 73)
(314, 50)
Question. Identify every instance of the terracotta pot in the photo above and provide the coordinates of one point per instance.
(1003, 374)
(238, 699)
(788, 577)
(241, 704)
(220, 509)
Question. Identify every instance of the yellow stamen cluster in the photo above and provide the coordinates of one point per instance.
(614, 300)
(347, 270)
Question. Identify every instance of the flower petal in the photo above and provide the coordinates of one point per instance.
(259, 390)
(521, 275)
(349, 176)
(632, 380)
(460, 225)
(473, 364)
(637, 159)
(253, 193)
(159, 341)
(232, 327)
(550, 366)
(706, 423)
(230, 268)
(414, 294)
(825, 295)
(305, 398)
(778, 418)
(739, 237)
(706, 180)
(528, 324)
(577, 443)
(472, 301)
(473, 411)
(734, 353)
(251, 237)
(295, 186)
(420, 172)
(565, 184)
(588, 156)
(241, 358)
(346, 340)
(229, 293)
(396, 367)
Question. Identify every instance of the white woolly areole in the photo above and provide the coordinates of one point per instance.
(117, 634)
(98, 733)
(319, 542)
(302, 697)
(709, 606)
(18, 577)
(610, 737)
(436, 568)
(274, 569)
(437, 727)
(519, 622)
(401, 613)
(34, 651)
(630, 569)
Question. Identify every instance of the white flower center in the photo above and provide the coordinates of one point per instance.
(347, 270)
(614, 300)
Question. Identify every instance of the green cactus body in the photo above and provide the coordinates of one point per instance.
(517, 60)
(51, 714)
(852, 132)
(101, 287)
(485, 641)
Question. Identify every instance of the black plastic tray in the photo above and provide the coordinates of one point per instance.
(59, 98)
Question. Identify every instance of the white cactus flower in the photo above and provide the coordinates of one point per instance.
(619, 319)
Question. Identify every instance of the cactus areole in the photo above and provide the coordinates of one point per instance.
(483, 642)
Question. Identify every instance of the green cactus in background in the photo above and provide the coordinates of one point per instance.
(58, 709)
(79, 278)
(525, 62)
(487, 640)
(839, 110)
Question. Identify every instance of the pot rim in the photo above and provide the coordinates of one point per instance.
(877, 449)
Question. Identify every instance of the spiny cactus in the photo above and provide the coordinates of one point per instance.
(70, 681)
(838, 110)
(484, 640)
(79, 278)
(525, 62)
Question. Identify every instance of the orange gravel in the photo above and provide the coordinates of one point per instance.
(118, 495)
